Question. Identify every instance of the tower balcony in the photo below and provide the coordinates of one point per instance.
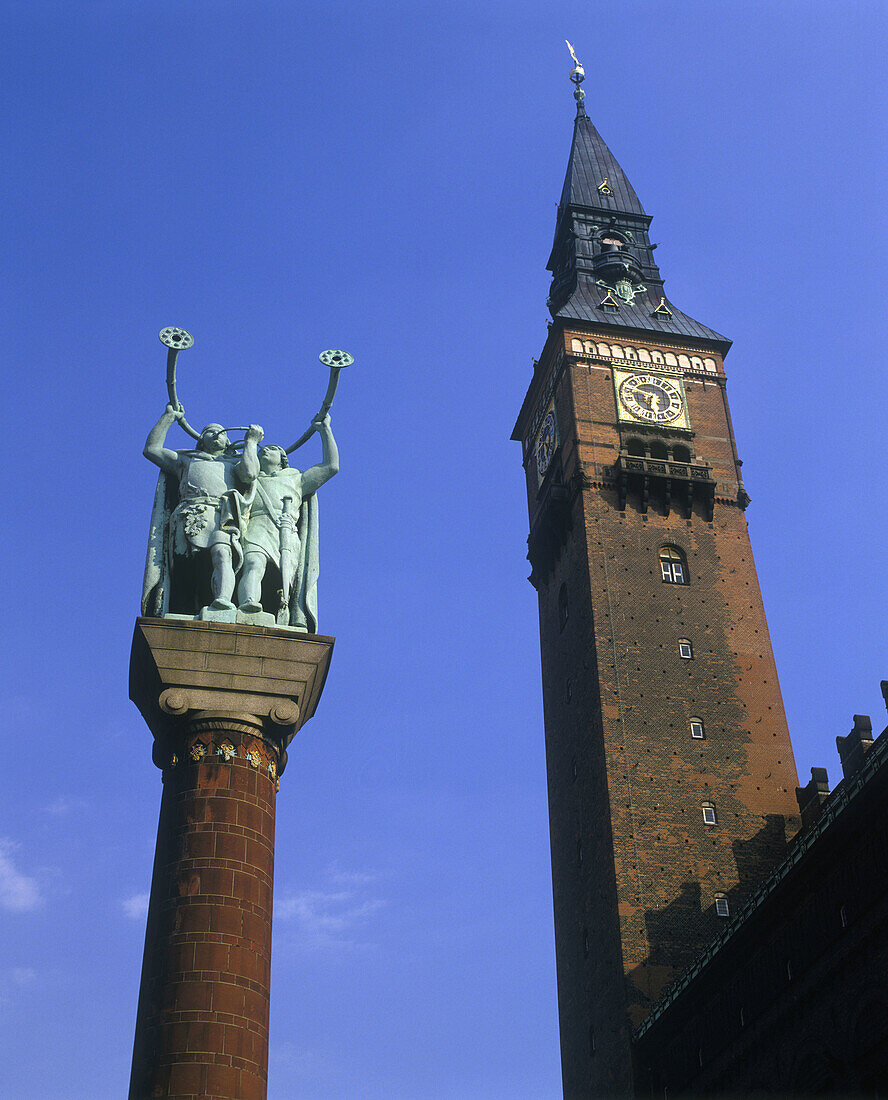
(667, 481)
(614, 263)
(657, 467)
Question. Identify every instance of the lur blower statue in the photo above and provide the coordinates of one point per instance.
(233, 521)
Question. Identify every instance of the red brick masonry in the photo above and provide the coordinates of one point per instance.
(202, 1026)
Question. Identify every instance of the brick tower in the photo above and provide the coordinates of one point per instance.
(223, 701)
(670, 771)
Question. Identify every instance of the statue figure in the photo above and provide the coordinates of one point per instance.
(201, 508)
(221, 517)
(282, 531)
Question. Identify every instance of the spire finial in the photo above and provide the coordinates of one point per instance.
(577, 75)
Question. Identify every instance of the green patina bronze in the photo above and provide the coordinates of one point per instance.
(233, 521)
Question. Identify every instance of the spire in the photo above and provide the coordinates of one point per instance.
(602, 260)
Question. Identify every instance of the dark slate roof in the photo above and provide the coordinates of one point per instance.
(585, 215)
(591, 162)
(583, 305)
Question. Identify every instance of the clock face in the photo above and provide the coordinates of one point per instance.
(547, 441)
(652, 398)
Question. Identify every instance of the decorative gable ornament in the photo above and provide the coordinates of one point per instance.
(623, 288)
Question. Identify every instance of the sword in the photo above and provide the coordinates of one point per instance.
(286, 527)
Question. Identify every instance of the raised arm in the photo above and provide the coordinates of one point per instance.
(247, 469)
(314, 478)
(154, 450)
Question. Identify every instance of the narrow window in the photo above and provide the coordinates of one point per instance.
(673, 567)
(788, 970)
(591, 1040)
(568, 690)
(843, 916)
(722, 909)
(697, 731)
(580, 852)
(586, 943)
(742, 1018)
(685, 649)
(562, 607)
(709, 817)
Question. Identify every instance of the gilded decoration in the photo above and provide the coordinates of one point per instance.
(198, 750)
(226, 750)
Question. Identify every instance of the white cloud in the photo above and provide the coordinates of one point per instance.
(18, 892)
(136, 906)
(330, 917)
(64, 806)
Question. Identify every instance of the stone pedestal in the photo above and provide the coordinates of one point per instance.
(223, 702)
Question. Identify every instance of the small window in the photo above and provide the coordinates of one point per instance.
(843, 916)
(697, 731)
(580, 852)
(788, 970)
(562, 607)
(591, 1040)
(685, 649)
(568, 690)
(586, 943)
(673, 568)
(722, 909)
(709, 817)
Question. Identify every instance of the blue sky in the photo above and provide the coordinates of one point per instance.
(283, 178)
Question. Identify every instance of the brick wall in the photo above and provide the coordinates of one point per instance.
(202, 1027)
(635, 868)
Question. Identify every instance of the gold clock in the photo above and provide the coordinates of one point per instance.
(651, 398)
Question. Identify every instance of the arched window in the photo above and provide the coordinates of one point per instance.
(659, 449)
(635, 447)
(673, 567)
(681, 453)
(709, 815)
(562, 607)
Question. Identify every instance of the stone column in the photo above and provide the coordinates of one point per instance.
(223, 702)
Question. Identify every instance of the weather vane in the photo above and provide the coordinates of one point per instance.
(577, 75)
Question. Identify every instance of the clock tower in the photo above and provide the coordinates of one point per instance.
(670, 771)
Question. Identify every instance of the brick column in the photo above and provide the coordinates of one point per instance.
(223, 702)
